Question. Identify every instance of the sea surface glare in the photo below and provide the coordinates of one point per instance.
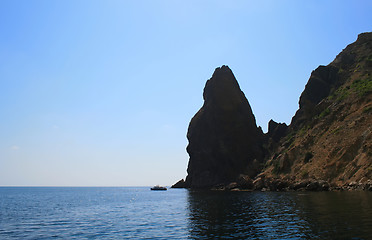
(138, 213)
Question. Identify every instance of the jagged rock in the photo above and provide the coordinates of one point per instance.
(276, 130)
(180, 184)
(245, 182)
(321, 81)
(224, 140)
(359, 186)
(259, 183)
(368, 185)
(324, 185)
(329, 137)
(313, 186)
(277, 185)
(232, 186)
(300, 185)
(219, 187)
(330, 133)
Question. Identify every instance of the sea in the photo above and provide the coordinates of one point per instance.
(139, 213)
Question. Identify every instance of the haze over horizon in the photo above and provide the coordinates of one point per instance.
(100, 93)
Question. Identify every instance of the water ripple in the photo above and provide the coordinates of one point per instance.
(137, 213)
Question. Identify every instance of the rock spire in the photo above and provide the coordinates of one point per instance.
(224, 140)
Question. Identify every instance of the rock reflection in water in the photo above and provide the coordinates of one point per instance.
(272, 215)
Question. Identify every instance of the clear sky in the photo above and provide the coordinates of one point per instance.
(100, 93)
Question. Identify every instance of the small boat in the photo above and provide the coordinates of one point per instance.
(157, 187)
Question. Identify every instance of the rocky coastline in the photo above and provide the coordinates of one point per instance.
(264, 184)
(326, 147)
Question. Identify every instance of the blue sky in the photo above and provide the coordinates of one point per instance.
(100, 93)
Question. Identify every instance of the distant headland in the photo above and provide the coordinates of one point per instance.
(327, 146)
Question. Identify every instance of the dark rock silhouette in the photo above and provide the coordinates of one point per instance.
(321, 81)
(276, 130)
(224, 140)
(180, 184)
(327, 146)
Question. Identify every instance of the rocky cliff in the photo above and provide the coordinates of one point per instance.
(327, 145)
(330, 137)
(224, 140)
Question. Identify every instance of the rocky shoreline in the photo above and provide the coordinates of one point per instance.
(326, 147)
(263, 184)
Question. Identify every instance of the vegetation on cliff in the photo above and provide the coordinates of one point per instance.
(330, 137)
(327, 145)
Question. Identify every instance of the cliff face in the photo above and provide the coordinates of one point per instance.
(330, 135)
(224, 140)
(328, 143)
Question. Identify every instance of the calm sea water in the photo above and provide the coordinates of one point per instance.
(138, 213)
